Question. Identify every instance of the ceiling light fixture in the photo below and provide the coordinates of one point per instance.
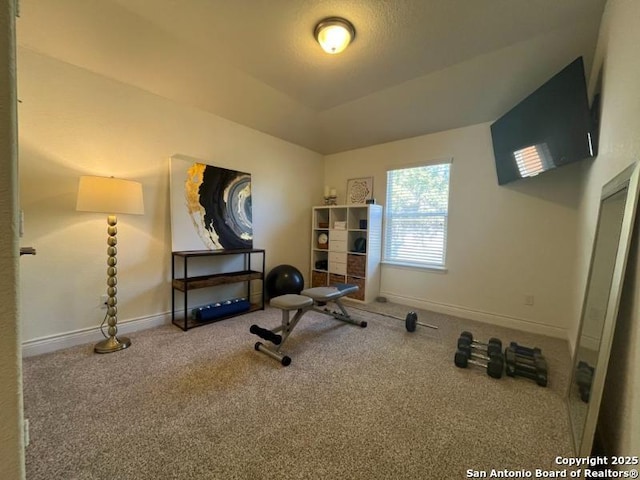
(334, 34)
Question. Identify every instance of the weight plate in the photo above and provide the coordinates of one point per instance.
(461, 359)
(494, 369)
(493, 349)
(411, 321)
(468, 335)
(541, 380)
(466, 349)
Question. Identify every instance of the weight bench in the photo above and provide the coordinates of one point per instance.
(310, 299)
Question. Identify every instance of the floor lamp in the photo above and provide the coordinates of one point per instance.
(110, 195)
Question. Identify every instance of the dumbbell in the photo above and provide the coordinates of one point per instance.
(535, 362)
(525, 351)
(536, 365)
(532, 359)
(584, 378)
(494, 363)
(584, 375)
(529, 356)
(494, 345)
(534, 368)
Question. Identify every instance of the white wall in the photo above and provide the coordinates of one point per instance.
(617, 55)
(74, 122)
(11, 437)
(503, 242)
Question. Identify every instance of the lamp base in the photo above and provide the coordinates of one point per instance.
(112, 344)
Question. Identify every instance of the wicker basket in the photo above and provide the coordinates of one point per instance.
(319, 279)
(359, 295)
(356, 265)
(335, 278)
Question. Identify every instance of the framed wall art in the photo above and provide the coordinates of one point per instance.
(210, 206)
(359, 190)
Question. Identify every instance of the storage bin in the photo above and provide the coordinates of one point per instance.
(359, 295)
(319, 279)
(356, 265)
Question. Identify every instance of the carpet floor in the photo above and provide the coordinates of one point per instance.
(372, 403)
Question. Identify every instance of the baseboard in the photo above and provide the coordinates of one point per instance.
(51, 343)
(590, 343)
(480, 316)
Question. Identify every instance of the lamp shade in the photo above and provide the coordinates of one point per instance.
(334, 34)
(109, 195)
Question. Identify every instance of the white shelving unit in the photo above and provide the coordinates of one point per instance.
(351, 253)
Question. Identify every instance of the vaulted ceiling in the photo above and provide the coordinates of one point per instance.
(415, 67)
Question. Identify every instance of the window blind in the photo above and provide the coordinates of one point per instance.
(417, 214)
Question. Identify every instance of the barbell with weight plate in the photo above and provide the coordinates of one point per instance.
(410, 321)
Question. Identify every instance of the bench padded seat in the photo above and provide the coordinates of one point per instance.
(291, 301)
(326, 294)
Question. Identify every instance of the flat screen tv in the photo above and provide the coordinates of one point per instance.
(550, 128)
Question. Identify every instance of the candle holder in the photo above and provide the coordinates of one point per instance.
(331, 200)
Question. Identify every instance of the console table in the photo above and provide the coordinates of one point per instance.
(184, 282)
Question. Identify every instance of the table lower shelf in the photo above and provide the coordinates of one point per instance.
(192, 323)
(193, 283)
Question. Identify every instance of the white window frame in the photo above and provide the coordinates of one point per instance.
(390, 259)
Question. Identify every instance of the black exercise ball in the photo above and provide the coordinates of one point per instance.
(284, 279)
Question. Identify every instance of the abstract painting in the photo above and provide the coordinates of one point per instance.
(210, 206)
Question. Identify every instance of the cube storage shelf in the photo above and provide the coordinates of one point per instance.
(187, 283)
(346, 242)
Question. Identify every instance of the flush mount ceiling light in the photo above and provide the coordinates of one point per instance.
(334, 34)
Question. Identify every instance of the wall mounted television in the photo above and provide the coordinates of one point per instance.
(550, 128)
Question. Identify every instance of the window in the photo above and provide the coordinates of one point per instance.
(416, 215)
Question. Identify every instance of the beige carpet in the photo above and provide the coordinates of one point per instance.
(373, 403)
